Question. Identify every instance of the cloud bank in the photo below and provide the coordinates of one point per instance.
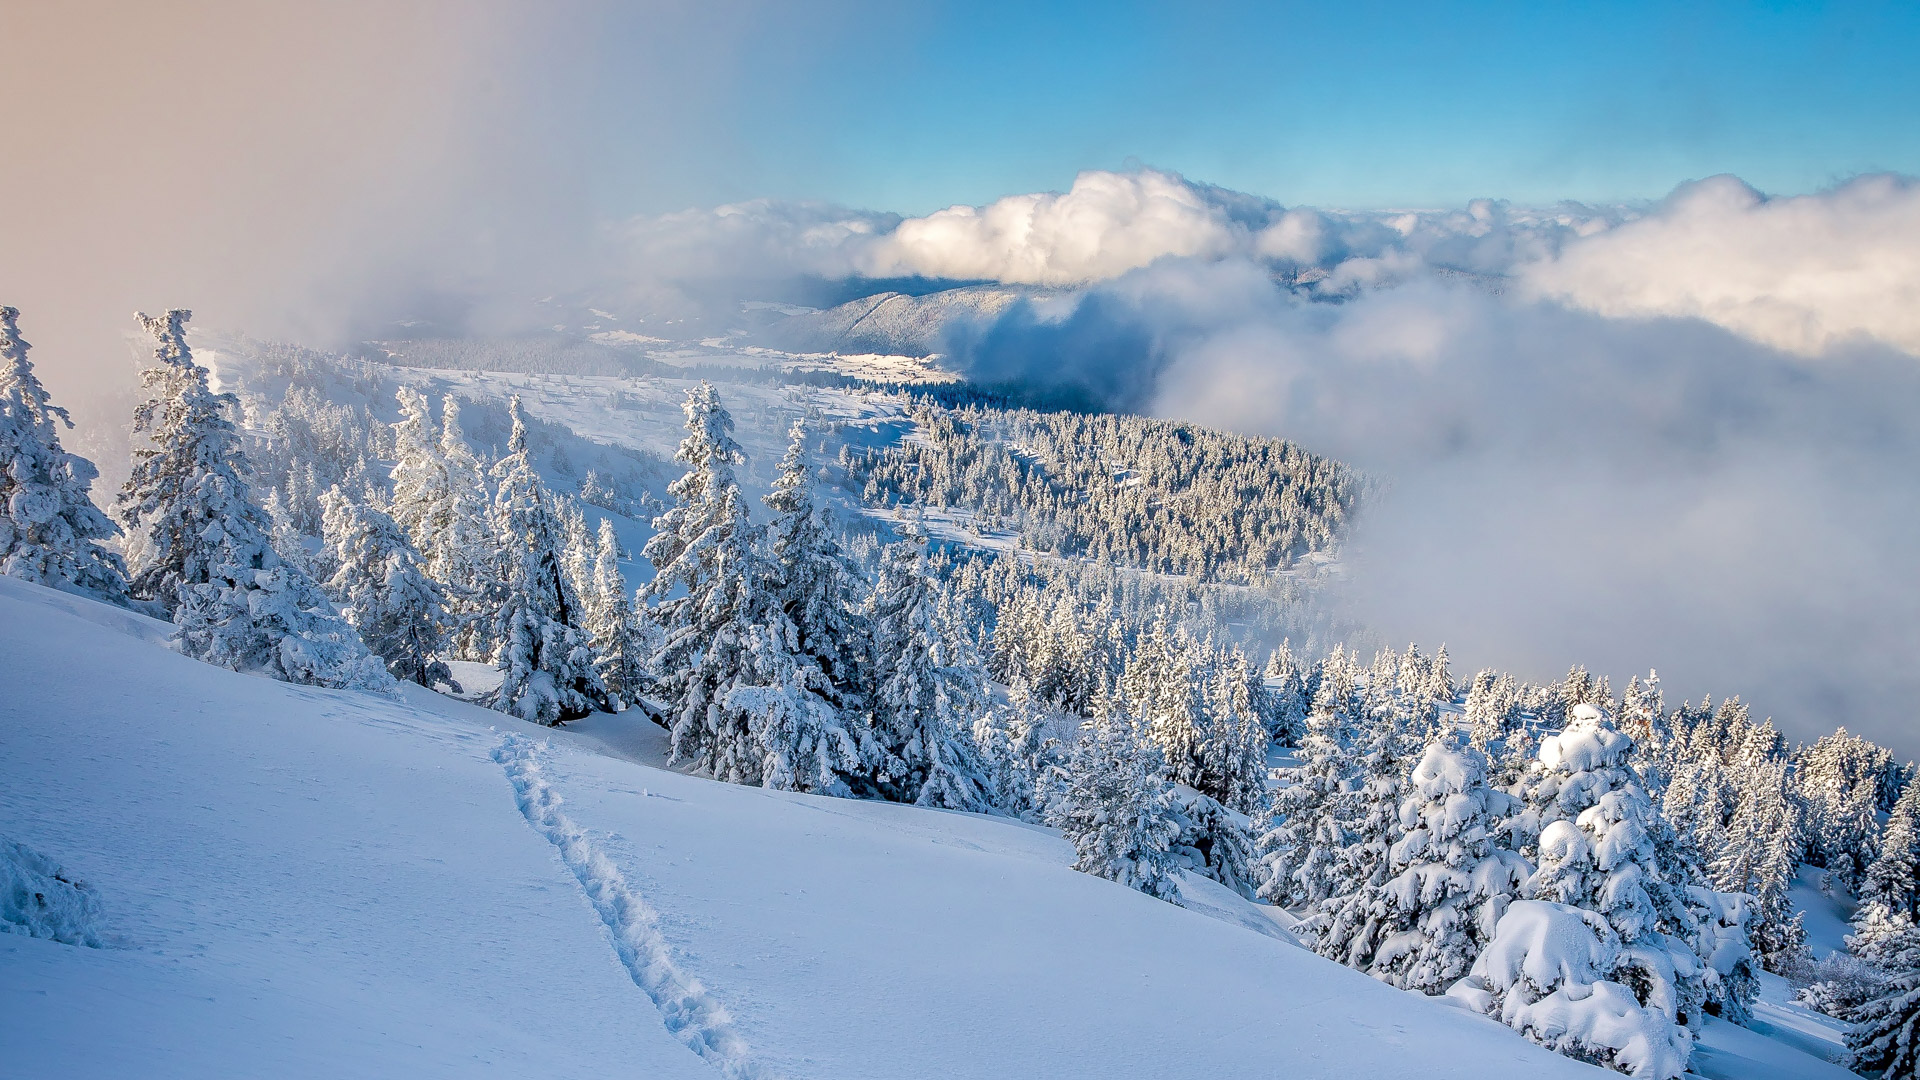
(1807, 273)
(1626, 494)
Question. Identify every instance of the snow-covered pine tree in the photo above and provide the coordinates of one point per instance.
(1450, 881)
(546, 661)
(165, 505)
(50, 531)
(1885, 1038)
(817, 584)
(1643, 718)
(1386, 742)
(440, 499)
(1346, 925)
(383, 590)
(1596, 851)
(1838, 781)
(1439, 677)
(1562, 977)
(1018, 753)
(1301, 836)
(284, 533)
(1892, 882)
(1080, 669)
(705, 544)
(743, 703)
(579, 548)
(931, 687)
(1724, 942)
(1485, 713)
(1118, 809)
(1287, 697)
(1162, 691)
(1214, 840)
(1235, 752)
(1758, 855)
(202, 550)
(613, 621)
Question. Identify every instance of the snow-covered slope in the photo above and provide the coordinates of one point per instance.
(311, 883)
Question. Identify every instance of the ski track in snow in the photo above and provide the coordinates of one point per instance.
(690, 1013)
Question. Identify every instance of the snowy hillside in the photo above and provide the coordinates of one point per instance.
(310, 883)
(325, 862)
(892, 322)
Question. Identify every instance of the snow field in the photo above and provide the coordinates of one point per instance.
(297, 883)
(691, 1014)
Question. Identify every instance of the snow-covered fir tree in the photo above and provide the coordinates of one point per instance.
(1389, 732)
(1117, 808)
(1234, 755)
(1288, 698)
(384, 591)
(284, 533)
(1423, 927)
(1758, 855)
(1892, 882)
(547, 665)
(1596, 852)
(1885, 1038)
(1163, 692)
(202, 552)
(1838, 780)
(1019, 754)
(1302, 833)
(1214, 840)
(183, 478)
(704, 543)
(614, 622)
(1559, 975)
(742, 702)
(440, 499)
(1492, 709)
(1724, 942)
(50, 531)
(579, 548)
(930, 688)
(1366, 813)
(817, 585)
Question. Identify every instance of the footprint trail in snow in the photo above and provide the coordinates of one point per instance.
(689, 1011)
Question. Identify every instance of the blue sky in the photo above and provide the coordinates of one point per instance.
(919, 106)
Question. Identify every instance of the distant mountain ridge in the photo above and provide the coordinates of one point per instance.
(896, 323)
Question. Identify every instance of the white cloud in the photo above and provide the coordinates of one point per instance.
(1106, 224)
(1804, 273)
(1566, 487)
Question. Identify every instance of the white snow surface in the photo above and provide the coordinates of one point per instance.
(297, 882)
(1828, 915)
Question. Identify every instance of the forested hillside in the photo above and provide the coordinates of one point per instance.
(1614, 877)
(1152, 494)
